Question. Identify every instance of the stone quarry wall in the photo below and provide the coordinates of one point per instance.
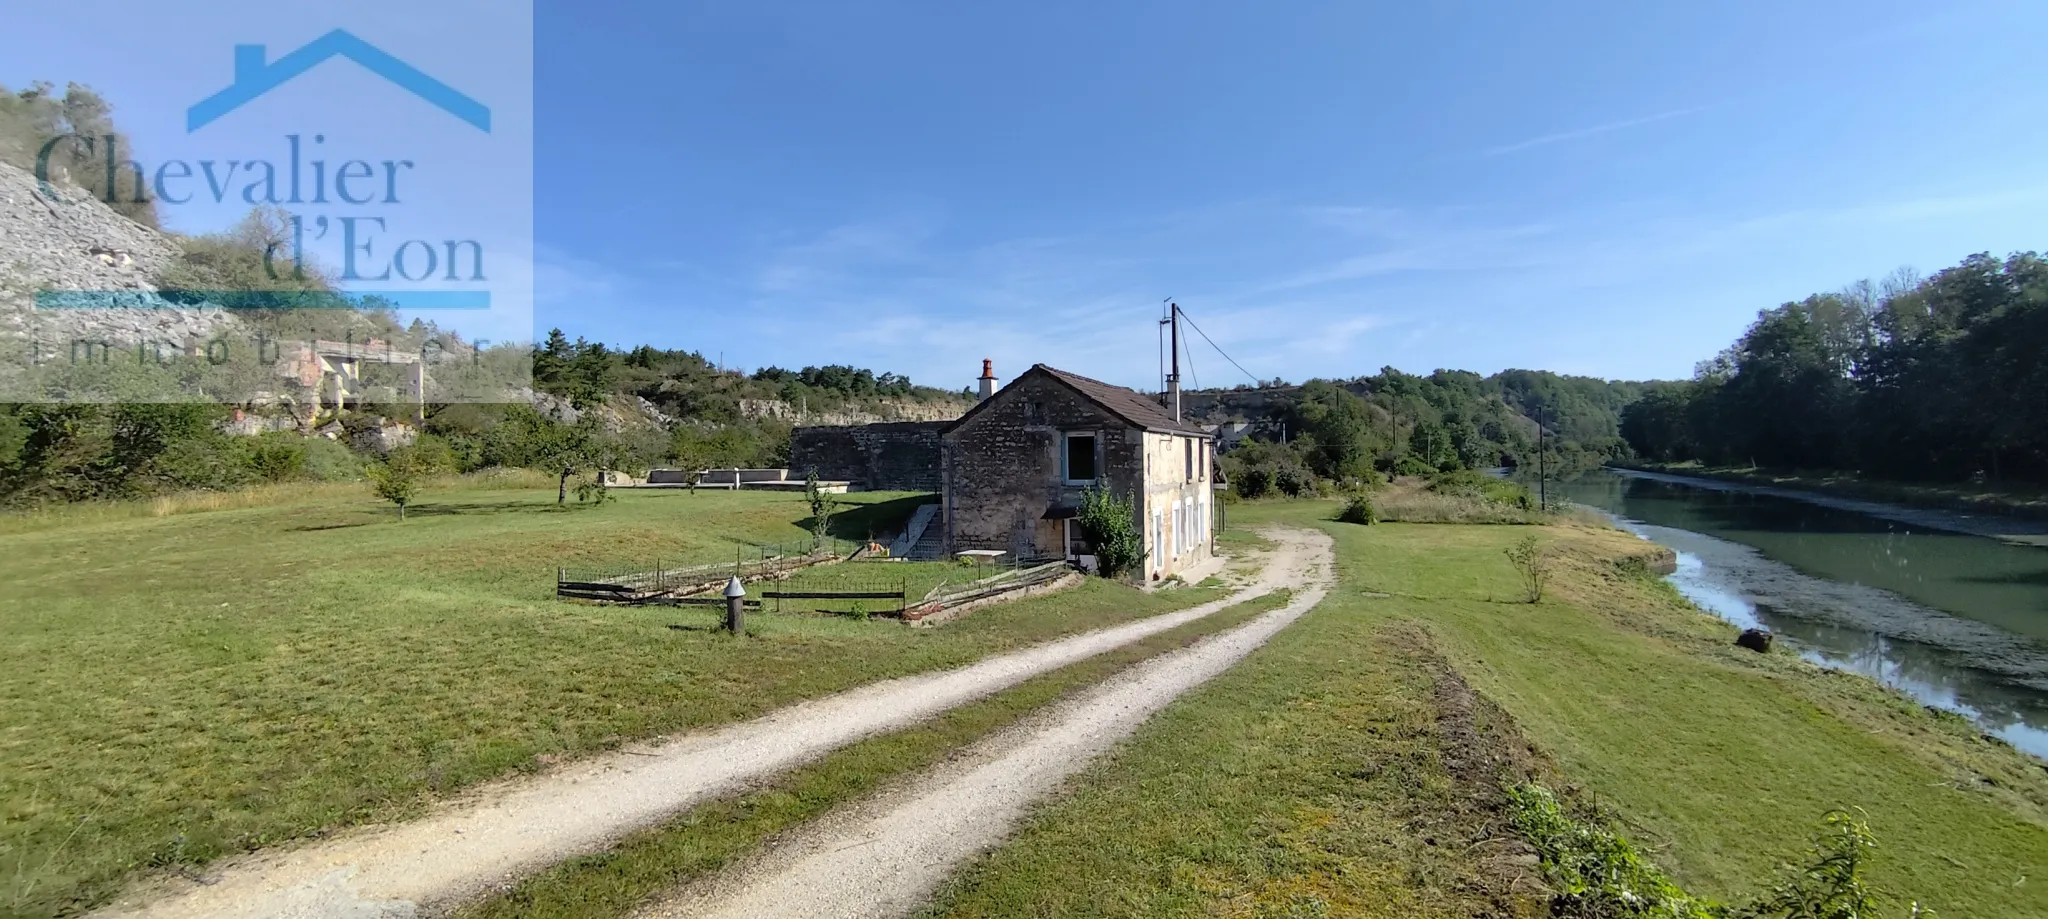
(68, 242)
(892, 456)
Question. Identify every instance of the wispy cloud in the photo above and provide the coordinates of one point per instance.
(1612, 126)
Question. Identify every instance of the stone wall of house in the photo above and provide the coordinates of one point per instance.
(891, 456)
(1179, 484)
(1002, 468)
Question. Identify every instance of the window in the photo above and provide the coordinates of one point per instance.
(1158, 542)
(1187, 451)
(1077, 459)
(1180, 533)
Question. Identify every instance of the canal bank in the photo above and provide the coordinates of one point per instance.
(2020, 524)
(1955, 620)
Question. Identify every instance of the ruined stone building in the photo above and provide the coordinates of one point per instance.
(1013, 469)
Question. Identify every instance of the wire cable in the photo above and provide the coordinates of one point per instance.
(1219, 350)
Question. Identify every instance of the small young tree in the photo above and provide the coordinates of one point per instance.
(396, 478)
(822, 507)
(1358, 509)
(1830, 885)
(1110, 524)
(1531, 559)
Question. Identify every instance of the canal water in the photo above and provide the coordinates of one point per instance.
(1959, 622)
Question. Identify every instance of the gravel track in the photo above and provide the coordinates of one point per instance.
(884, 857)
(500, 832)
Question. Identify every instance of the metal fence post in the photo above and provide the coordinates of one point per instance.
(735, 598)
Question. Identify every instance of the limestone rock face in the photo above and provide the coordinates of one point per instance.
(60, 241)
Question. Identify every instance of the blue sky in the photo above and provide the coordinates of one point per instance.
(1607, 189)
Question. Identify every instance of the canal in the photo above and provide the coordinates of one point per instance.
(1956, 621)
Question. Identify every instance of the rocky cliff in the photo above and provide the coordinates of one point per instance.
(101, 267)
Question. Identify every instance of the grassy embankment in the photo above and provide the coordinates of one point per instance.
(1345, 770)
(2023, 501)
(184, 683)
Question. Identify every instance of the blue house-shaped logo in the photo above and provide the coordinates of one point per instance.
(254, 76)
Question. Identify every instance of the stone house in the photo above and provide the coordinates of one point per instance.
(1013, 469)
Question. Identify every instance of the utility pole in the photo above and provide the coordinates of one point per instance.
(1542, 475)
(1173, 376)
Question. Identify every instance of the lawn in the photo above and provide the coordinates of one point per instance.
(1321, 777)
(695, 844)
(185, 686)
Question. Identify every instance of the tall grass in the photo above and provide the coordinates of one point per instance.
(1416, 506)
(253, 496)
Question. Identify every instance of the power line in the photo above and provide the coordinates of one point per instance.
(1191, 360)
(1219, 350)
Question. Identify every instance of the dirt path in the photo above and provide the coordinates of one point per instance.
(883, 858)
(503, 831)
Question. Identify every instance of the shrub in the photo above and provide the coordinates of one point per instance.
(1597, 874)
(822, 506)
(1473, 484)
(1359, 509)
(1532, 560)
(396, 478)
(1110, 525)
(276, 457)
(330, 461)
(434, 455)
(1410, 465)
(1295, 482)
(1253, 482)
(1594, 872)
(1830, 885)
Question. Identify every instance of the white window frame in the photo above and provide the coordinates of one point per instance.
(1158, 542)
(1094, 451)
(1180, 522)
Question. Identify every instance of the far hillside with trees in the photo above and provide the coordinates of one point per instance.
(1940, 379)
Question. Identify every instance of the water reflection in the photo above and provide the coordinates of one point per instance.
(1828, 582)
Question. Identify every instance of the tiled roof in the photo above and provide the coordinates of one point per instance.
(1129, 404)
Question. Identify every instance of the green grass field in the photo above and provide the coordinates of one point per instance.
(707, 838)
(185, 686)
(1320, 778)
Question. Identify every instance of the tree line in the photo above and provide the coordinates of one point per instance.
(1934, 379)
(1338, 433)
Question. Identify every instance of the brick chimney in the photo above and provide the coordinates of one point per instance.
(988, 378)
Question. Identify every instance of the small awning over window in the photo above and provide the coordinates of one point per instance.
(1061, 513)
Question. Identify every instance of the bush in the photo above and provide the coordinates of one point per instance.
(331, 461)
(1410, 465)
(275, 457)
(1597, 874)
(1253, 482)
(1594, 872)
(396, 478)
(1110, 525)
(433, 455)
(1830, 885)
(1359, 509)
(1532, 560)
(1472, 484)
(1295, 482)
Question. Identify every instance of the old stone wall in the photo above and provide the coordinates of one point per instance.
(891, 456)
